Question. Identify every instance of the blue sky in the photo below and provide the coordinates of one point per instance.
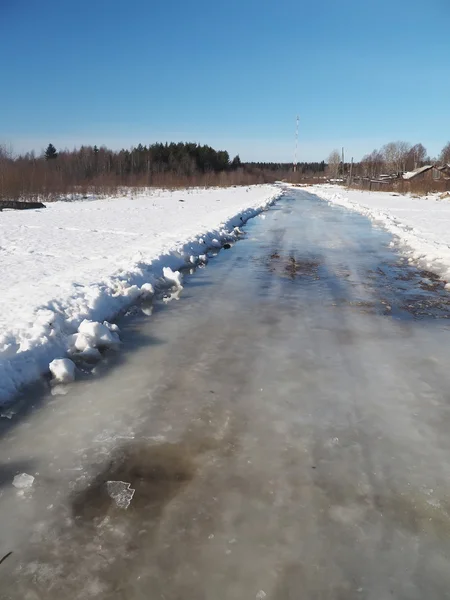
(232, 74)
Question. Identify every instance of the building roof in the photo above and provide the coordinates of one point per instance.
(412, 174)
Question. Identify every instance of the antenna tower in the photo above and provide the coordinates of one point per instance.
(296, 145)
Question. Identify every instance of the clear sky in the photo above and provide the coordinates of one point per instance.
(231, 73)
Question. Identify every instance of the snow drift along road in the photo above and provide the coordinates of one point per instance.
(87, 261)
(422, 225)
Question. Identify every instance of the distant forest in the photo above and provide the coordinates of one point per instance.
(307, 168)
(57, 173)
(93, 169)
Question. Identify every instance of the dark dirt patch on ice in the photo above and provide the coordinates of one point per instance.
(292, 266)
(302, 268)
(407, 291)
(156, 473)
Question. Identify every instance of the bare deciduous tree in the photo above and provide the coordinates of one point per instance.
(334, 161)
(389, 152)
(416, 157)
(372, 164)
(445, 154)
(395, 156)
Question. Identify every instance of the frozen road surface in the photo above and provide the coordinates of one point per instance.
(280, 431)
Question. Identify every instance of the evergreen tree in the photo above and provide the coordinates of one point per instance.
(236, 162)
(50, 153)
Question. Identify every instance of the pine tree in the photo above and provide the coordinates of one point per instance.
(236, 162)
(50, 153)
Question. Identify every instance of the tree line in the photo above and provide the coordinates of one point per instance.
(393, 158)
(100, 169)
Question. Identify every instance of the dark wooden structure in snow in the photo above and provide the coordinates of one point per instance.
(19, 205)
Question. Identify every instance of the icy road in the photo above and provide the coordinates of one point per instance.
(280, 431)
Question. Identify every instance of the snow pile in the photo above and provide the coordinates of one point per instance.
(69, 270)
(91, 338)
(92, 334)
(422, 225)
(173, 277)
(62, 370)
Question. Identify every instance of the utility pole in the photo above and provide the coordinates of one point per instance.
(296, 146)
(343, 163)
(351, 173)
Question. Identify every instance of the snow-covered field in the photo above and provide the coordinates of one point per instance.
(421, 225)
(68, 268)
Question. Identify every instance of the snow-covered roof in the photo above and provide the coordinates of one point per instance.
(411, 174)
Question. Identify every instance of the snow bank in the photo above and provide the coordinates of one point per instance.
(421, 225)
(70, 269)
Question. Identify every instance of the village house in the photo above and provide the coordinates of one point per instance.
(429, 172)
(445, 171)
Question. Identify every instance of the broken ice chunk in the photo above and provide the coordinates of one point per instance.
(8, 414)
(23, 481)
(120, 492)
(59, 390)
